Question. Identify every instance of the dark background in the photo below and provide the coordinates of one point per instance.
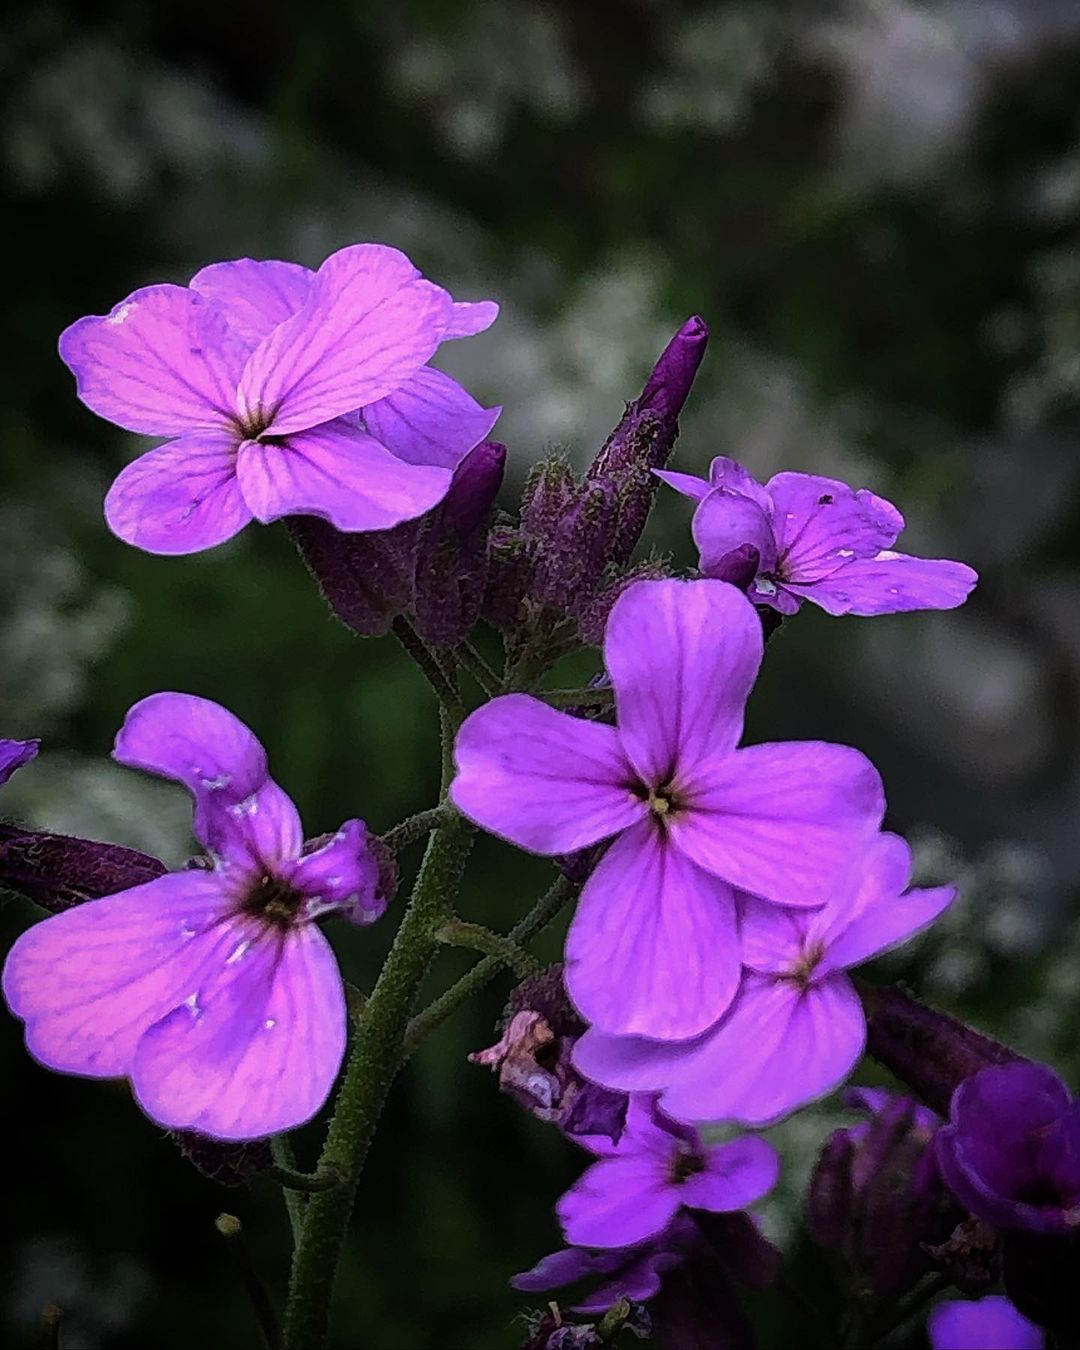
(874, 204)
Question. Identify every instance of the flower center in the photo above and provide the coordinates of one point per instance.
(661, 801)
(251, 425)
(273, 901)
(802, 972)
(685, 1164)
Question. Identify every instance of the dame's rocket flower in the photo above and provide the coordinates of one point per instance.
(211, 989)
(13, 755)
(796, 1028)
(812, 538)
(653, 949)
(288, 392)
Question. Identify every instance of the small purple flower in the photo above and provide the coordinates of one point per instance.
(796, 1028)
(653, 949)
(212, 989)
(1011, 1150)
(656, 1169)
(14, 754)
(812, 538)
(990, 1323)
(289, 392)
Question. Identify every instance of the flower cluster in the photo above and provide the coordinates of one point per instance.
(727, 890)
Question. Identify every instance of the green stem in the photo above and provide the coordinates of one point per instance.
(574, 698)
(541, 914)
(488, 680)
(429, 664)
(307, 1183)
(374, 1058)
(416, 827)
(231, 1229)
(285, 1159)
(459, 933)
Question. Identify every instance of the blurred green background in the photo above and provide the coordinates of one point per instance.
(874, 203)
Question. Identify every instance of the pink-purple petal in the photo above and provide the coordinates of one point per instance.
(342, 875)
(618, 1202)
(779, 1048)
(182, 497)
(546, 781)
(429, 419)
(89, 981)
(256, 1047)
(339, 473)
(736, 1174)
(683, 657)
(370, 323)
(255, 296)
(162, 362)
(991, 1323)
(727, 520)
(730, 474)
(772, 936)
(891, 583)
(697, 489)
(781, 820)
(469, 317)
(821, 523)
(653, 948)
(14, 754)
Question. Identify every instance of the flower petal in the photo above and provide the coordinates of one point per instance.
(820, 523)
(198, 743)
(778, 1049)
(342, 875)
(162, 362)
(14, 754)
(429, 419)
(338, 473)
(870, 912)
(683, 657)
(990, 1323)
(548, 782)
(891, 583)
(773, 937)
(255, 296)
(370, 322)
(653, 949)
(726, 520)
(618, 1202)
(566, 1266)
(697, 489)
(736, 1174)
(782, 820)
(728, 473)
(257, 1047)
(180, 498)
(469, 317)
(89, 981)
(630, 1063)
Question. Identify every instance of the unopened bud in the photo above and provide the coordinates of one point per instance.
(593, 616)
(57, 871)
(510, 558)
(571, 559)
(366, 579)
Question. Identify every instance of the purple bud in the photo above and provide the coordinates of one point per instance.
(645, 436)
(58, 870)
(226, 1163)
(549, 490)
(571, 559)
(451, 555)
(510, 560)
(929, 1051)
(365, 578)
(830, 1201)
(739, 567)
(593, 616)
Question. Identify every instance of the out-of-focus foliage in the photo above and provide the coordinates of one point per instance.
(875, 205)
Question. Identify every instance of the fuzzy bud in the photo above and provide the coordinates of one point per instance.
(571, 559)
(509, 563)
(366, 579)
(57, 871)
(593, 616)
(451, 552)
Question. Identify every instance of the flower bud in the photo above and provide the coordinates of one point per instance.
(366, 579)
(509, 563)
(57, 871)
(571, 559)
(593, 616)
(929, 1051)
(645, 436)
(451, 552)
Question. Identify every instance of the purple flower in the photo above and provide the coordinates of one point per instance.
(288, 392)
(1011, 1150)
(984, 1324)
(812, 538)
(796, 1028)
(653, 949)
(656, 1169)
(212, 989)
(14, 754)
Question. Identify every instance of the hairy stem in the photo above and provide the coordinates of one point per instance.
(429, 664)
(416, 827)
(577, 698)
(374, 1058)
(285, 1160)
(488, 680)
(541, 914)
(459, 933)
